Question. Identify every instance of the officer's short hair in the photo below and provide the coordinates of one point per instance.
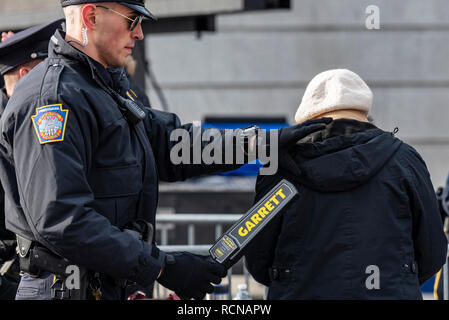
(30, 64)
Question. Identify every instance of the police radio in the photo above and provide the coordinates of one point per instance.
(228, 249)
(131, 111)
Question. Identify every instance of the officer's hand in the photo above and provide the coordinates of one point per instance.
(7, 35)
(290, 135)
(190, 275)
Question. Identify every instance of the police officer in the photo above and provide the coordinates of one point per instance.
(88, 159)
(19, 53)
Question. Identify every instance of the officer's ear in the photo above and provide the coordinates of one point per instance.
(23, 71)
(88, 15)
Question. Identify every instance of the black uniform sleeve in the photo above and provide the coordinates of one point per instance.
(160, 128)
(430, 243)
(58, 201)
(260, 252)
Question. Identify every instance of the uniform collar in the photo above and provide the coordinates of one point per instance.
(60, 47)
(337, 128)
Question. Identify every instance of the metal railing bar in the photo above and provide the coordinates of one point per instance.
(197, 249)
(199, 218)
(191, 234)
(218, 230)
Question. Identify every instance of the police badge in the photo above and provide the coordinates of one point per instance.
(50, 122)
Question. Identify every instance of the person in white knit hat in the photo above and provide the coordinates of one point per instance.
(338, 93)
(366, 224)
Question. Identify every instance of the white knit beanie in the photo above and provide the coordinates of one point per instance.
(337, 89)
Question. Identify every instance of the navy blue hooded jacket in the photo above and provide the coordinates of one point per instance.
(365, 225)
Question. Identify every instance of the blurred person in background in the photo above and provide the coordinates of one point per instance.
(366, 224)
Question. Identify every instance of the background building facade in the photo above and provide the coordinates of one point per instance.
(258, 63)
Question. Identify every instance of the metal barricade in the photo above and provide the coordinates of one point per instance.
(191, 220)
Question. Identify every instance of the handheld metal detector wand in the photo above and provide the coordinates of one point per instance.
(229, 248)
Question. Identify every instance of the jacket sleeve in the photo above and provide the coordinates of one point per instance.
(59, 204)
(430, 243)
(178, 149)
(260, 253)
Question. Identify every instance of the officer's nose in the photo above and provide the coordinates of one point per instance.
(137, 33)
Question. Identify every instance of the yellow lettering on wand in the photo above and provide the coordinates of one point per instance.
(262, 212)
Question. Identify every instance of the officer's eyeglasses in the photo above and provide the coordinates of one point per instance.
(132, 22)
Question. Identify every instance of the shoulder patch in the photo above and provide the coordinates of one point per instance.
(50, 122)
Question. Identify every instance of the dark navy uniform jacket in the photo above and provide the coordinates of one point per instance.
(366, 209)
(3, 99)
(7, 288)
(83, 172)
(4, 234)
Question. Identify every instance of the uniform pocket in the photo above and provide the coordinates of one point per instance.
(27, 291)
(34, 288)
(113, 182)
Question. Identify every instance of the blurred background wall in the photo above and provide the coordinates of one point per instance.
(260, 63)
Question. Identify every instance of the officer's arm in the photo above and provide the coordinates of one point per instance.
(180, 152)
(59, 204)
(430, 243)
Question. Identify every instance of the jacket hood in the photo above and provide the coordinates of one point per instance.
(344, 155)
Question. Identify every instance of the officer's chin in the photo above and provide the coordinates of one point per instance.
(118, 64)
